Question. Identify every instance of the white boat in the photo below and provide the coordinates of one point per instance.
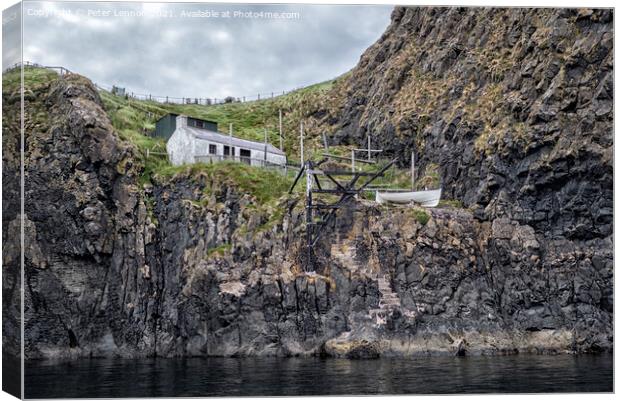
(423, 198)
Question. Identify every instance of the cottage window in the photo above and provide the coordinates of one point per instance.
(192, 122)
(245, 155)
(212, 149)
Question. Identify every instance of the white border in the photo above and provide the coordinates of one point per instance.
(484, 3)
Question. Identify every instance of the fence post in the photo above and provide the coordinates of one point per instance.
(301, 141)
(412, 171)
(280, 127)
(265, 130)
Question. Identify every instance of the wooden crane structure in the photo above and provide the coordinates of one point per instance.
(344, 184)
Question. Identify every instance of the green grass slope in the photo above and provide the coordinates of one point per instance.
(134, 119)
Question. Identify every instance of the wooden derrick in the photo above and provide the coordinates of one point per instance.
(320, 213)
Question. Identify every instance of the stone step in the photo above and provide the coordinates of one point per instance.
(389, 306)
(388, 299)
(344, 252)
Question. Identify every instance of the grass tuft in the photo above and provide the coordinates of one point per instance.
(421, 215)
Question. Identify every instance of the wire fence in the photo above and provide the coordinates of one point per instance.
(205, 101)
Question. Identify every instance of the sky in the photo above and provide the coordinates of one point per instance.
(201, 50)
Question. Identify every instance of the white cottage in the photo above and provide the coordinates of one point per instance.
(194, 140)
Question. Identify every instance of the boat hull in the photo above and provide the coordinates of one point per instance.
(423, 198)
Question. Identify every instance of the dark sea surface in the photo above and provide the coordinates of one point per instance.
(313, 376)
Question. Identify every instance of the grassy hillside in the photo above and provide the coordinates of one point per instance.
(134, 119)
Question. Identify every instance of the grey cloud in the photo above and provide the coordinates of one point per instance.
(11, 36)
(203, 57)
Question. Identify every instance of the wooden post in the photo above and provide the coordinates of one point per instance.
(301, 140)
(280, 127)
(352, 160)
(309, 229)
(369, 147)
(412, 171)
(230, 135)
(325, 142)
(265, 158)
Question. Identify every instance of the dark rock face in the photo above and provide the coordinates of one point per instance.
(113, 268)
(514, 105)
(11, 247)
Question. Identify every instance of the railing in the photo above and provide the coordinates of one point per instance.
(211, 159)
(155, 153)
(61, 70)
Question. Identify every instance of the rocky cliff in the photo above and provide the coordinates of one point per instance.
(514, 106)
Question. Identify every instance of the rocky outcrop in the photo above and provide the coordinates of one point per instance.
(513, 105)
(191, 266)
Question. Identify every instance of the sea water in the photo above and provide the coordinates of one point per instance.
(314, 376)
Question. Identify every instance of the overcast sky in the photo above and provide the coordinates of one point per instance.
(197, 50)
